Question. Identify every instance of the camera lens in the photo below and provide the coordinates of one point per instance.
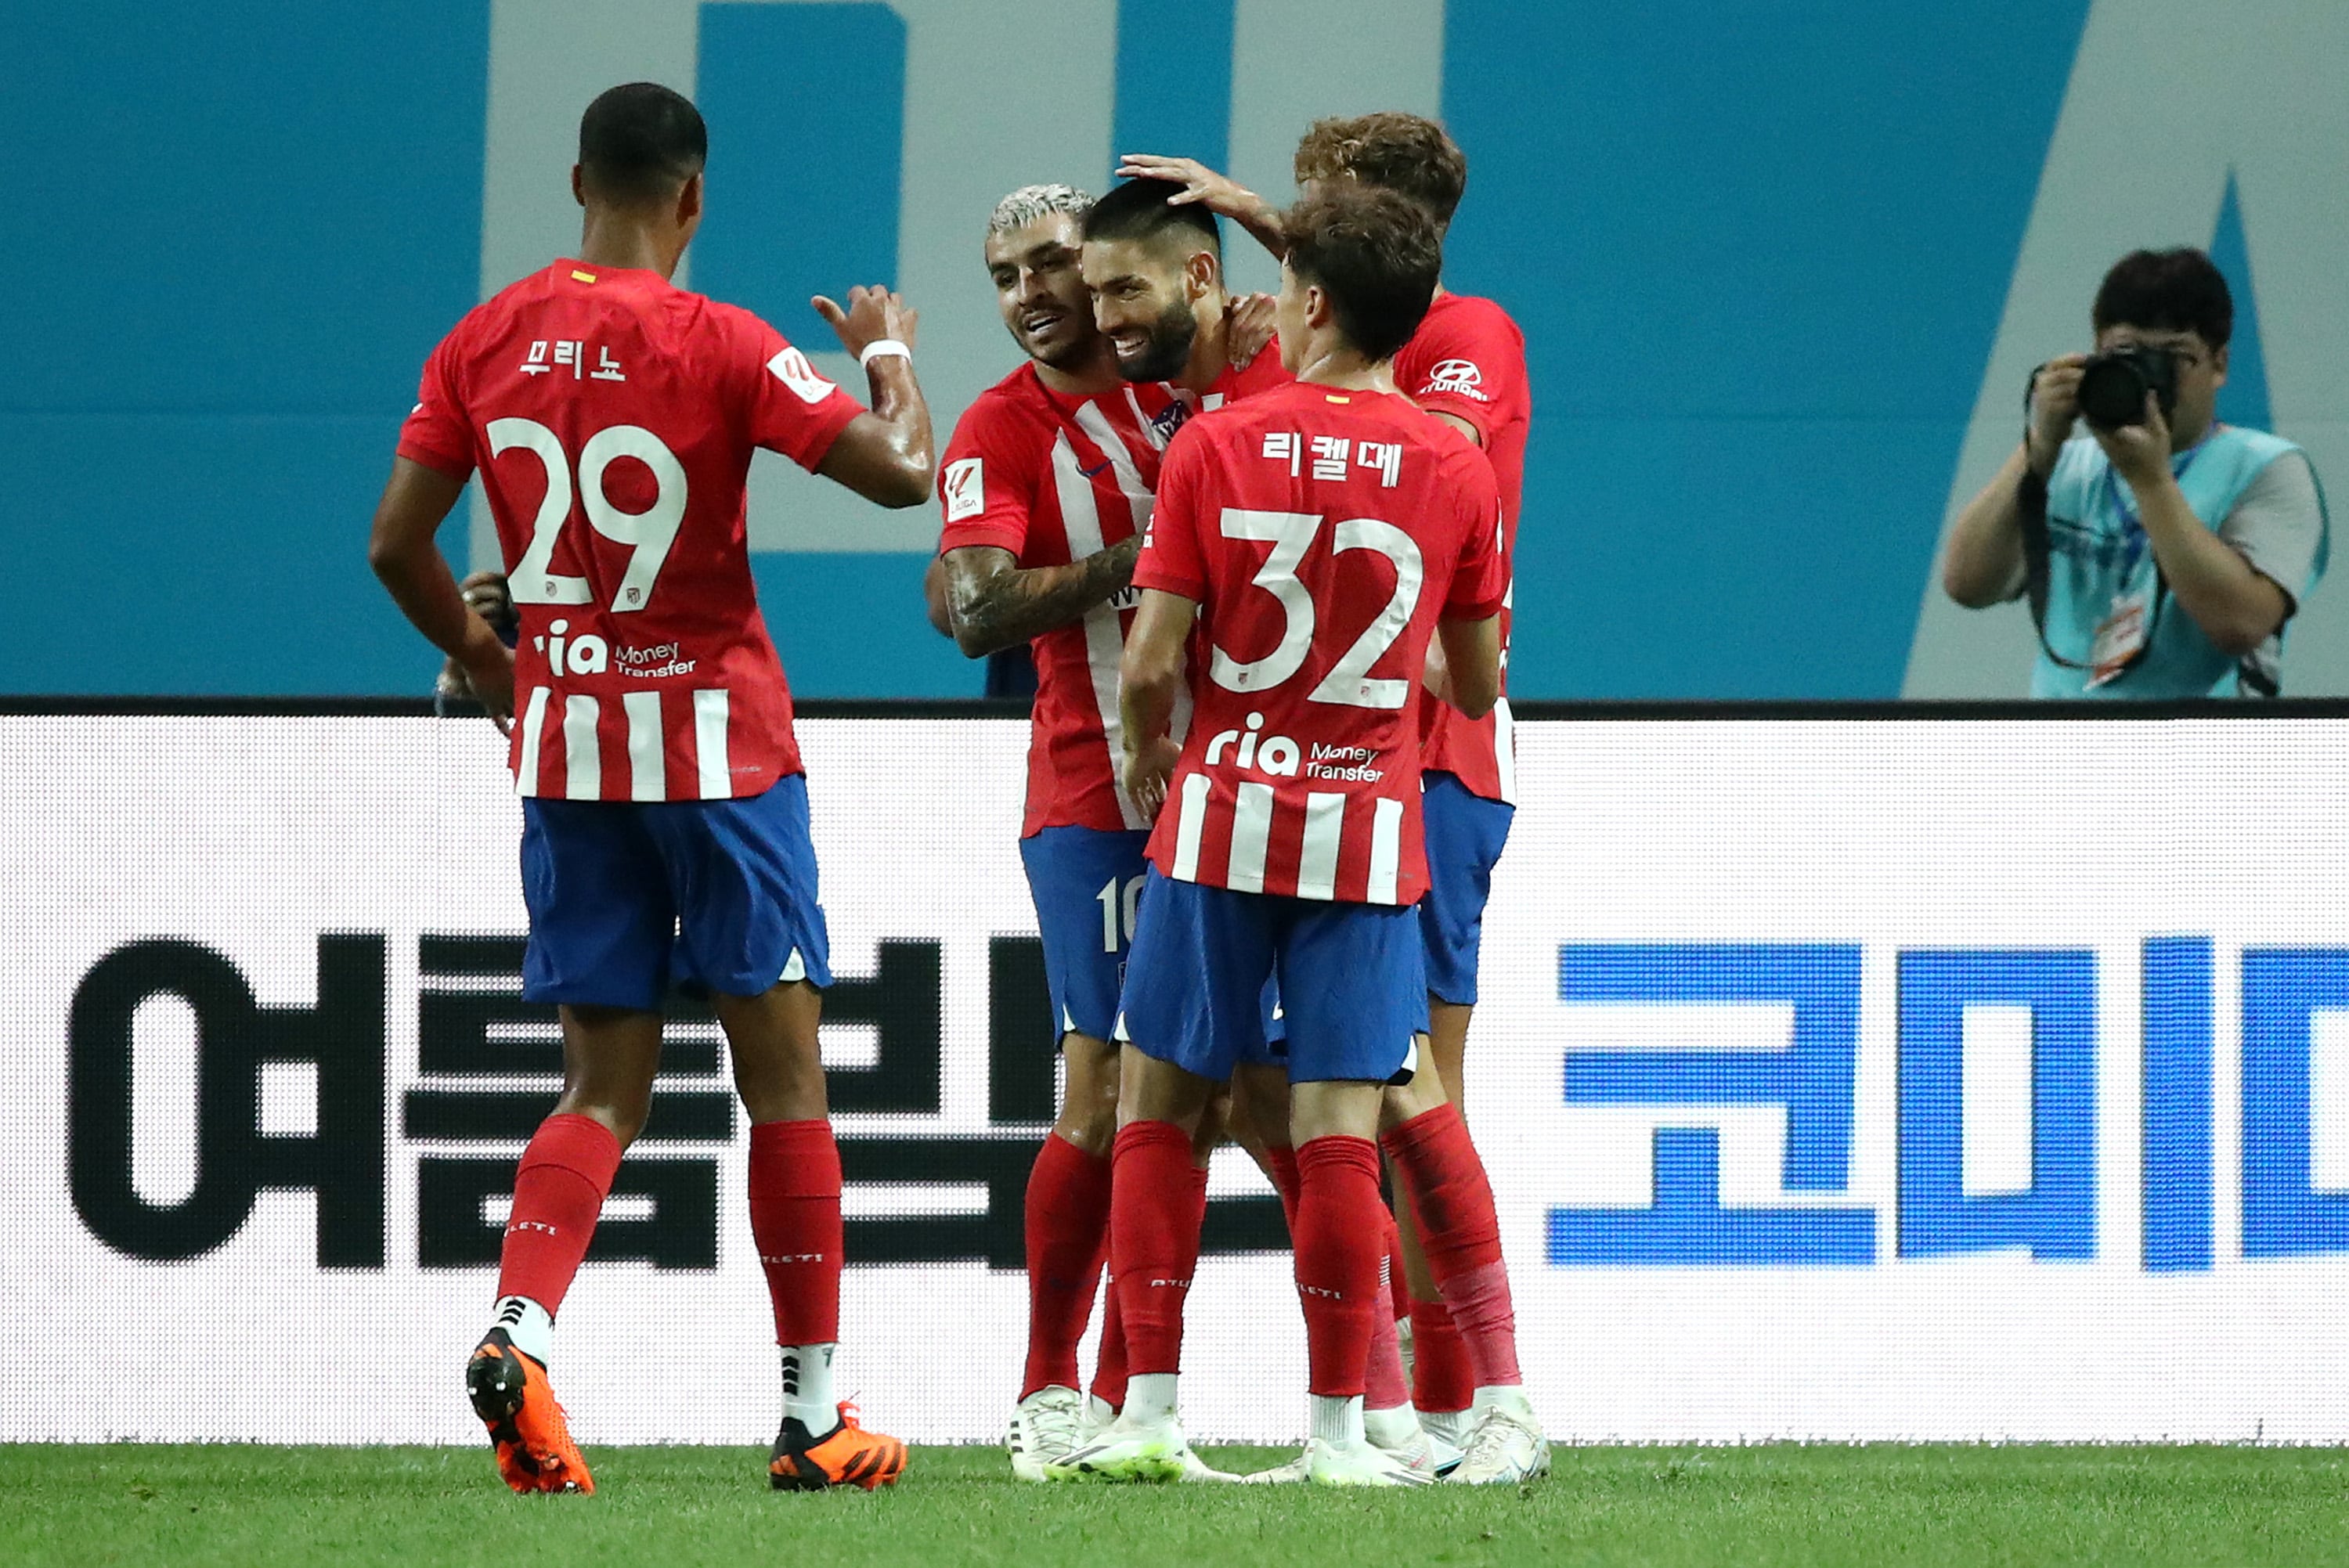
(2112, 391)
(2113, 386)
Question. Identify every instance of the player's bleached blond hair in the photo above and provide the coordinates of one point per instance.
(1030, 202)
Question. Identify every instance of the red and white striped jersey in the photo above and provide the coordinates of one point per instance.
(1468, 360)
(1322, 534)
(611, 416)
(1053, 478)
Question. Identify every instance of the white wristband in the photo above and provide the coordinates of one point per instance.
(883, 348)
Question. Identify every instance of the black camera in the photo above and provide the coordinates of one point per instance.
(2113, 386)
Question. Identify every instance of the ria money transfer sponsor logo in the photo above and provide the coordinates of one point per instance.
(1281, 756)
(586, 653)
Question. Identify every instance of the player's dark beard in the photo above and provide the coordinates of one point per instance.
(1169, 349)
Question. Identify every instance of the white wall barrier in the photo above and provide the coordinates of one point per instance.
(1839, 1078)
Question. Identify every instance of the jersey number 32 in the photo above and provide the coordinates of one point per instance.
(1291, 534)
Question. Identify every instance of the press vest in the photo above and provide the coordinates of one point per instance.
(2097, 551)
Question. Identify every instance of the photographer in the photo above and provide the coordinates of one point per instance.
(2164, 552)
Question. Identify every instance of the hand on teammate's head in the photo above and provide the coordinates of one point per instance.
(1200, 183)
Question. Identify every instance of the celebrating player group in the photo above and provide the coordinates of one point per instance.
(1266, 582)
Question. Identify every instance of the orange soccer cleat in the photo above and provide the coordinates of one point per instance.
(846, 1456)
(512, 1397)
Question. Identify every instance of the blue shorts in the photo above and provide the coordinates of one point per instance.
(1465, 833)
(625, 896)
(1274, 1051)
(1085, 882)
(1353, 988)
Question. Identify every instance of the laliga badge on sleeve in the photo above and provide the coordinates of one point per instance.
(2120, 638)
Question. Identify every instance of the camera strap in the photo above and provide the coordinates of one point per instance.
(2031, 515)
(2030, 507)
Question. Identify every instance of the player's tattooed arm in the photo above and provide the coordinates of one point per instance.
(1149, 680)
(934, 597)
(994, 604)
(1221, 194)
(886, 456)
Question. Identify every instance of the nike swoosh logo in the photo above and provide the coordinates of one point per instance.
(1095, 471)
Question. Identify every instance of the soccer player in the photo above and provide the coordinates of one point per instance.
(1155, 270)
(1465, 366)
(1046, 487)
(611, 418)
(1316, 539)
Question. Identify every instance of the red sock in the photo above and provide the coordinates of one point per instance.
(1452, 1202)
(1282, 1159)
(1109, 1361)
(1480, 1305)
(1337, 1261)
(1397, 1278)
(558, 1193)
(1153, 1240)
(1068, 1231)
(1383, 1387)
(795, 1221)
(1195, 1220)
(1442, 1379)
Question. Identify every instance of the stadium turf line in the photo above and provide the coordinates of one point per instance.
(1818, 1507)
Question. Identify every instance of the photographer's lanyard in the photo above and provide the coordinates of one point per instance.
(2133, 536)
(2126, 633)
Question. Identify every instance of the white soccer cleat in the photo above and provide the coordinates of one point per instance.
(1296, 1472)
(1197, 1470)
(1130, 1450)
(1451, 1427)
(1507, 1447)
(1425, 1454)
(1358, 1464)
(1400, 1434)
(1047, 1426)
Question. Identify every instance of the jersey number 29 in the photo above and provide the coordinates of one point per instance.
(651, 532)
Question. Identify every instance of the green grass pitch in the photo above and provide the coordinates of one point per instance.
(1818, 1507)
